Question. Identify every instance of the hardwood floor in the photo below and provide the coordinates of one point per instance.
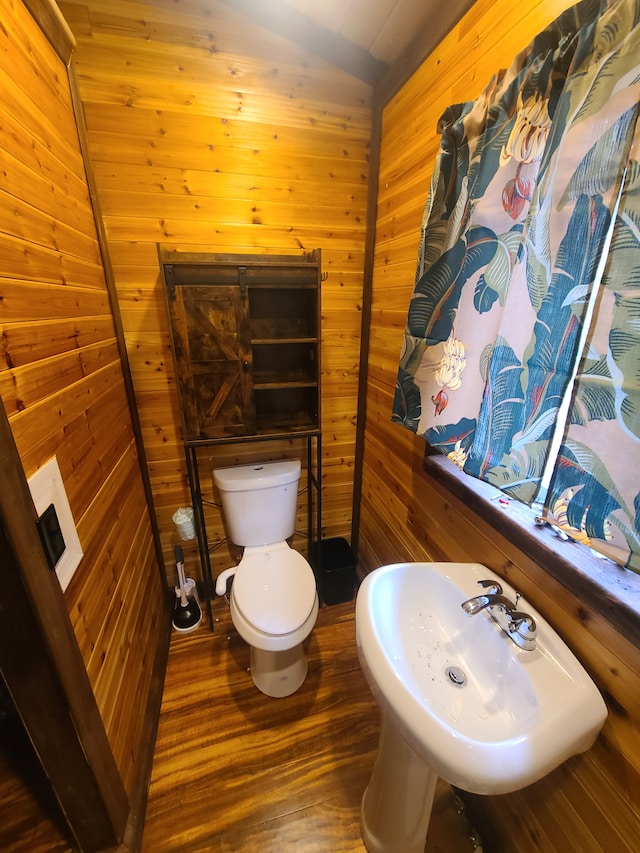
(238, 772)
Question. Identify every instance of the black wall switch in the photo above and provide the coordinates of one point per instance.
(51, 535)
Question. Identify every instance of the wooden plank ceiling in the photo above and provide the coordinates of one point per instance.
(363, 37)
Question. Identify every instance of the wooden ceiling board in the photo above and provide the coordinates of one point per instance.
(363, 25)
(405, 20)
(382, 27)
(282, 18)
(329, 14)
(363, 37)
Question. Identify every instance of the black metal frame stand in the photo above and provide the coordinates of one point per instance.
(314, 480)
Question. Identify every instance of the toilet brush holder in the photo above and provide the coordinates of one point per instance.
(187, 613)
(190, 589)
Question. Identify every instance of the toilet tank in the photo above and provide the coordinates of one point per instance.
(259, 501)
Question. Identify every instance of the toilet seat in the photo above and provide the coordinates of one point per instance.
(274, 588)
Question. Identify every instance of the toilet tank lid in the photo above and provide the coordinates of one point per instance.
(264, 475)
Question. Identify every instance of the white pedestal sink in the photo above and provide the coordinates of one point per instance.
(459, 698)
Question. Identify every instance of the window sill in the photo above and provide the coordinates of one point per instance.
(605, 587)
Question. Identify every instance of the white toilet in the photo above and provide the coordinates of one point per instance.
(274, 603)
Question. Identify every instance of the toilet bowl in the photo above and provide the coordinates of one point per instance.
(274, 602)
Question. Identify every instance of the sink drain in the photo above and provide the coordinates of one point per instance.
(456, 676)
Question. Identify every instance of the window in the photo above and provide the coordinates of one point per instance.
(522, 348)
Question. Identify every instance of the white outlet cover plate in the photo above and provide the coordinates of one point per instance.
(47, 487)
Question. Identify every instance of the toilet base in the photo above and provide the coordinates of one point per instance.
(278, 674)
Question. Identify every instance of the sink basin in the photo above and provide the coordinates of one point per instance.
(456, 692)
(517, 715)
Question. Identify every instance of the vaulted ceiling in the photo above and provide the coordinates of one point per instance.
(363, 37)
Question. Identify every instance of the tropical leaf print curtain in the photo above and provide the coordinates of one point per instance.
(595, 490)
(522, 345)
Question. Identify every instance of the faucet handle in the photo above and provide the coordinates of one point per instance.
(493, 587)
(523, 630)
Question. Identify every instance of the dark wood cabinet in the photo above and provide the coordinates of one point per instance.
(246, 342)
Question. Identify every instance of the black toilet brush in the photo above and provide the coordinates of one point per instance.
(186, 612)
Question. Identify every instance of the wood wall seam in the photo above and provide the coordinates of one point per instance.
(54, 26)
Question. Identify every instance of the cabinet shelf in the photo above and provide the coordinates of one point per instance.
(276, 384)
(280, 341)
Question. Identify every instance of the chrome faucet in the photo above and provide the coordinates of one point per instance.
(517, 624)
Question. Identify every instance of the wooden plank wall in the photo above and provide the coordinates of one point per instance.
(61, 379)
(592, 803)
(209, 133)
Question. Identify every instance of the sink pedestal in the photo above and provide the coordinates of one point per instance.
(396, 806)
